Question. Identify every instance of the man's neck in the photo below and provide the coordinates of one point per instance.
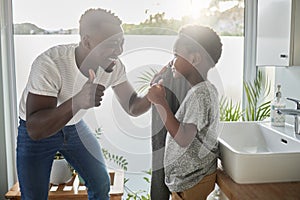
(80, 55)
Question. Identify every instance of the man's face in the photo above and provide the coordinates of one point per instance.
(106, 46)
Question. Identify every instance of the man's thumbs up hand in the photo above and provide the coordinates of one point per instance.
(92, 76)
(90, 95)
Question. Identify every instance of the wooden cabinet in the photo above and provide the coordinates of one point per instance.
(278, 34)
(261, 191)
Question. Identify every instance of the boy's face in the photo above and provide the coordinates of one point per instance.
(182, 63)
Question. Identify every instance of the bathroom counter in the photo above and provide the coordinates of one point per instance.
(262, 191)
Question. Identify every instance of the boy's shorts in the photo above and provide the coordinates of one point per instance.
(199, 191)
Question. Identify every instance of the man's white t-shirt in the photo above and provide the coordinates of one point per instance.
(55, 73)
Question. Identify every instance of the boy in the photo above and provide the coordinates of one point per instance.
(191, 146)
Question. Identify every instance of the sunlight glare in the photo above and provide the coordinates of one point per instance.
(227, 5)
(195, 7)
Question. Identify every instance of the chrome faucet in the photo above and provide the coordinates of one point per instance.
(294, 112)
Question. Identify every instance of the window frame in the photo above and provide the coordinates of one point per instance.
(8, 102)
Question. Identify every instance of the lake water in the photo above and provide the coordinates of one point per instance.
(124, 135)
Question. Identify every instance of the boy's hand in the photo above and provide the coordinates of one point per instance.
(90, 94)
(158, 76)
(157, 94)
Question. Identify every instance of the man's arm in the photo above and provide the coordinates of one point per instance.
(129, 99)
(44, 118)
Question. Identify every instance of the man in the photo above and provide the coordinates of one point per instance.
(64, 81)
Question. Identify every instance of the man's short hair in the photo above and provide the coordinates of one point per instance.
(94, 18)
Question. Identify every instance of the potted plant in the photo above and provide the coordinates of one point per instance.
(61, 171)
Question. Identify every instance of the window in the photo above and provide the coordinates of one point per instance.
(44, 24)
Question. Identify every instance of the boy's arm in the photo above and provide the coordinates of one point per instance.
(183, 133)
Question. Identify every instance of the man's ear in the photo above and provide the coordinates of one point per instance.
(86, 42)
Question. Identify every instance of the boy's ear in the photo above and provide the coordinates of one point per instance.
(196, 58)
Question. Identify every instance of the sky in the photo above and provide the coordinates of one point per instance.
(65, 14)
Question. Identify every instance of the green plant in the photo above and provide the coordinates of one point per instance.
(256, 107)
(144, 80)
(119, 160)
(140, 194)
(230, 111)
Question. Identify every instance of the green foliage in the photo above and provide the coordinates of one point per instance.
(230, 111)
(256, 108)
(140, 194)
(149, 30)
(98, 132)
(144, 80)
(154, 25)
(119, 160)
(157, 24)
(227, 22)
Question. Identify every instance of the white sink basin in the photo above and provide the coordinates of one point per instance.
(255, 152)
